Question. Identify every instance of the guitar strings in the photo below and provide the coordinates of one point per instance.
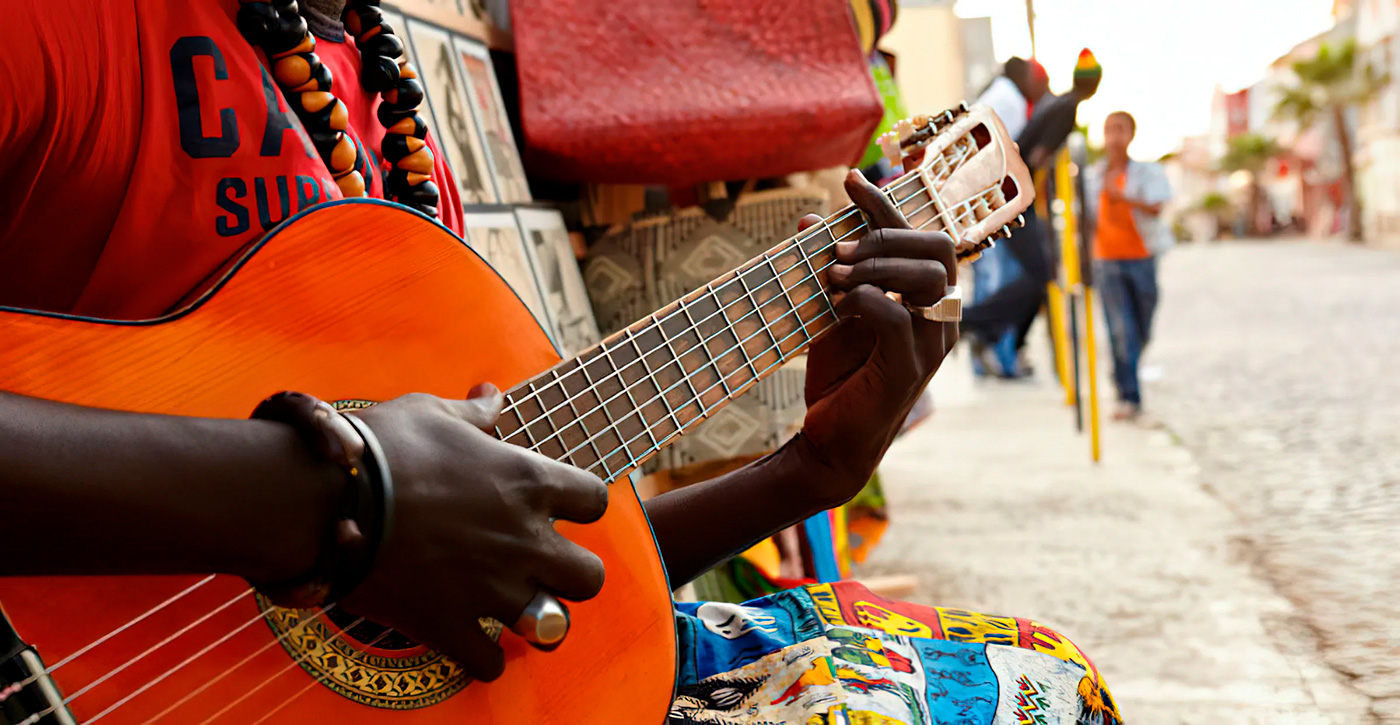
(139, 657)
(569, 399)
(722, 380)
(207, 649)
(164, 675)
(87, 648)
(279, 640)
(758, 375)
(795, 242)
(294, 663)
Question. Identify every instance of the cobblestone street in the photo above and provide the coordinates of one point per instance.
(1240, 564)
(1278, 374)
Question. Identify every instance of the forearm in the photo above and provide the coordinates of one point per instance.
(85, 491)
(700, 526)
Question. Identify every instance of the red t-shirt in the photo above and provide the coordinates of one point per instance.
(143, 145)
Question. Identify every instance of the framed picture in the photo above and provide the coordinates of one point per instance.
(457, 131)
(561, 282)
(473, 17)
(495, 235)
(485, 95)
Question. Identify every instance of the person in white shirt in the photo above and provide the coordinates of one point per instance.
(1012, 95)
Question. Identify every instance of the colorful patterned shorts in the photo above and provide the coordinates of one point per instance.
(836, 653)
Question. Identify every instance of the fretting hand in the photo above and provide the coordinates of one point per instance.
(864, 376)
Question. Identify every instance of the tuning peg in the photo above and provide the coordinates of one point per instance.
(889, 146)
(1019, 222)
(962, 108)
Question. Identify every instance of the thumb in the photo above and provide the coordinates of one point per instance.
(483, 406)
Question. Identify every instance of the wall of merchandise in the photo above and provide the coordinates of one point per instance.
(527, 244)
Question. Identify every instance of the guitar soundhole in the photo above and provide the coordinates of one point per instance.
(368, 634)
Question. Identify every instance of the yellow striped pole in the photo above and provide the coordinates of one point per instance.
(1074, 284)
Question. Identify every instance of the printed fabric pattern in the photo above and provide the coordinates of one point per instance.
(830, 654)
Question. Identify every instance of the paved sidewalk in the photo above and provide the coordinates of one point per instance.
(997, 507)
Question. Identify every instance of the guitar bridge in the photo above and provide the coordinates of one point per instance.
(28, 696)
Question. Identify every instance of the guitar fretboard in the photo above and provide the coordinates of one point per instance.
(612, 407)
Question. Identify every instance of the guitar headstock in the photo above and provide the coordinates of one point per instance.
(972, 170)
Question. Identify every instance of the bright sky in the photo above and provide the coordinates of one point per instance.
(1162, 58)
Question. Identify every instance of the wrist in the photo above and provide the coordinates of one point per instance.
(811, 475)
(302, 491)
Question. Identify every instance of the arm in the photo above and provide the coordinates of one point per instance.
(863, 376)
(85, 491)
(100, 492)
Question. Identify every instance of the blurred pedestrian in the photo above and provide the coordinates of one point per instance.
(1123, 200)
(1015, 305)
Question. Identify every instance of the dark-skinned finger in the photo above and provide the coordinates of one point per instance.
(569, 570)
(573, 494)
(807, 222)
(462, 639)
(902, 243)
(878, 208)
(920, 281)
(482, 406)
(892, 325)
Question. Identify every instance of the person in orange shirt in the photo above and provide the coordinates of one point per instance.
(1128, 237)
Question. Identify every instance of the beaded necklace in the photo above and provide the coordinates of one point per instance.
(280, 31)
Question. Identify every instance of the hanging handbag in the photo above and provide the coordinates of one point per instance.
(680, 93)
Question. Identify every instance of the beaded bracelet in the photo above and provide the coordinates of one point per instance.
(365, 515)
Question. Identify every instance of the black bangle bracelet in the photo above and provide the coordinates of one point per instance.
(380, 498)
(364, 513)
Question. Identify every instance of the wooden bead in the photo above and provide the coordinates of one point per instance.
(314, 101)
(386, 45)
(420, 161)
(292, 71)
(415, 179)
(343, 155)
(351, 185)
(406, 70)
(306, 45)
(340, 117)
(378, 74)
(410, 126)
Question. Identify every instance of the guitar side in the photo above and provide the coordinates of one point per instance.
(326, 308)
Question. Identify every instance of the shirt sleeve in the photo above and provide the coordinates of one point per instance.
(1157, 189)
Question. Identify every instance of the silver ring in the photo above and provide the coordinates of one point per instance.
(948, 309)
(544, 623)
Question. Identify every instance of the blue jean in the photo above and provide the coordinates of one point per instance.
(1129, 288)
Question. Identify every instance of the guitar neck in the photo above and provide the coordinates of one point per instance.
(617, 404)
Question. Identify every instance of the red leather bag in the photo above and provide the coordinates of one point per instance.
(687, 91)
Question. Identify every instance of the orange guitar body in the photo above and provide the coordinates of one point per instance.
(355, 300)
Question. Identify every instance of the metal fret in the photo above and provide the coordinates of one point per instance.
(700, 335)
(660, 391)
(618, 425)
(787, 293)
(685, 375)
(628, 390)
(592, 441)
(724, 315)
(806, 260)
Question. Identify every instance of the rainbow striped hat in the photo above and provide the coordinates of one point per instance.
(1088, 66)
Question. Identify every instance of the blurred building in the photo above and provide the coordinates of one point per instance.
(1378, 132)
(941, 59)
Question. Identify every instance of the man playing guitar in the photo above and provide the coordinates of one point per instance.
(145, 146)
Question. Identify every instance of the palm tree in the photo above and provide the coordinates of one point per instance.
(1327, 85)
(1251, 152)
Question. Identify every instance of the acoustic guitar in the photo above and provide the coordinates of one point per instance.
(417, 310)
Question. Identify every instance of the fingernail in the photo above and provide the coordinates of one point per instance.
(484, 390)
(854, 174)
(839, 270)
(846, 249)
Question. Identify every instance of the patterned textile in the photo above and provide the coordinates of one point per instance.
(639, 267)
(836, 653)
